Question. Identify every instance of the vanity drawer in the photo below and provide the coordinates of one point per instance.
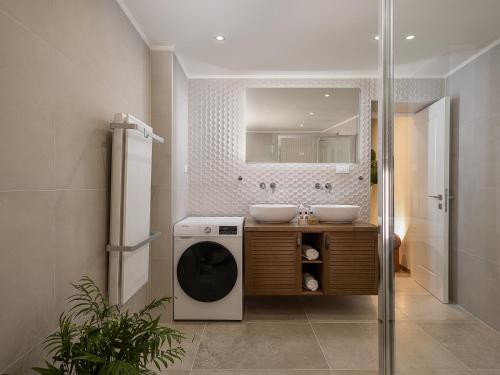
(272, 263)
(351, 263)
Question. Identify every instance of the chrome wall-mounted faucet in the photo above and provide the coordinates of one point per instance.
(328, 186)
(262, 185)
(272, 185)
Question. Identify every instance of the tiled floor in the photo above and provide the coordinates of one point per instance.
(338, 336)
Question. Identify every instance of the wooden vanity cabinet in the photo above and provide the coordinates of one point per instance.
(272, 263)
(351, 263)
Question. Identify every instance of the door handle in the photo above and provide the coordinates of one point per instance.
(439, 197)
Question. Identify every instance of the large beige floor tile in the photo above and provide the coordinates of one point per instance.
(405, 372)
(273, 308)
(416, 350)
(434, 372)
(354, 372)
(349, 346)
(193, 333)
(261, 372)
(422, 307)
(259, 346)
(477, 345)
(407, 285)
(339, 308)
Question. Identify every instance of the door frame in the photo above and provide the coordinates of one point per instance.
(386, 293)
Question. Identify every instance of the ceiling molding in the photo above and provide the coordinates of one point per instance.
(162, 48)
(472, 58)
(133, 21)
(281, 76)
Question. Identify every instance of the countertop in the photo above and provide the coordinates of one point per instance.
(251, 225)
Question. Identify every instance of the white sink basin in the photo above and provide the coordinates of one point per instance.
(274, 213)
(335, 213)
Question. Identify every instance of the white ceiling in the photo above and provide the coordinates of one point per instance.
(284, 109)
(315, 37)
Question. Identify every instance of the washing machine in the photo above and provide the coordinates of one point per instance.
(208, 268)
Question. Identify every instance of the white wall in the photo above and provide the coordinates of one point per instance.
(217, 144)
(402, 184)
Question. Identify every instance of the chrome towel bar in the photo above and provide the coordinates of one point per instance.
(127, 249)
(146, 132)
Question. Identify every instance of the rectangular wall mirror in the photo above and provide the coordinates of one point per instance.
(302, 125)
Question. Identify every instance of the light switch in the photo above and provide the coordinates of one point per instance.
(185, 168)
(342, 169)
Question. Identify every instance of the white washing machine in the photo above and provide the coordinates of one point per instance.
(208, 268)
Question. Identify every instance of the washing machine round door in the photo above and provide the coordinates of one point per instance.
(207, 271)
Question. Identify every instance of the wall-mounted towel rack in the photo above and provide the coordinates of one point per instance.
(153, 236)
(130, 235)
(143, 130)
(131, 122)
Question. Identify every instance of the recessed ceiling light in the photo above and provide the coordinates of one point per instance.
(311, 113)
(220, 38)
(376, 37)
(410, 37)
(327, 95)
(301, 125)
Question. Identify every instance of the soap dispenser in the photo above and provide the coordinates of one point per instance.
(312, 219)
(302, 215)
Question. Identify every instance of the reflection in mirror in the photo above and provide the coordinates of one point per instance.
(302, 125)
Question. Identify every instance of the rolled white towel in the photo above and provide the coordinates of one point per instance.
(309, 282)
(309, 252)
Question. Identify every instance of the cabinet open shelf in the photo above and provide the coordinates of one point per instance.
(305, 292)
(315, 261)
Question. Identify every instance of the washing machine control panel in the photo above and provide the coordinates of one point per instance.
(228, 230)
(209, 227)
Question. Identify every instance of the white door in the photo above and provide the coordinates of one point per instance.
(429, 156)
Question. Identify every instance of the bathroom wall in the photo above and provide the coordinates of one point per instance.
(217, 144)
(180, 155)
(402, 185)
(169, 202)
(161, 193)
(475, 183)
(66, 67)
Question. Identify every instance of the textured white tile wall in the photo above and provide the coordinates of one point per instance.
(217, 146)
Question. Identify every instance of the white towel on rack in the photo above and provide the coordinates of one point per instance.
(309, 282)
(130, 211)
(309, 252)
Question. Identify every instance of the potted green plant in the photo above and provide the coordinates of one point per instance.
(95, 337)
